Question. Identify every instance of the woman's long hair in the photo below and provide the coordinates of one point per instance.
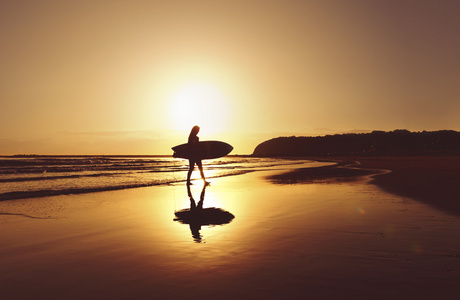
(193, 133)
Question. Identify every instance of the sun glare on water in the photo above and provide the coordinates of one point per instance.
(199, 104)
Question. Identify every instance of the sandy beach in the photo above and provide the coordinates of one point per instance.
(334, 235)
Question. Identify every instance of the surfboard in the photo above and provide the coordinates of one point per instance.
(202, 150)
(204, 217)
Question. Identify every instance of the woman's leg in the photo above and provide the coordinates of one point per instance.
(190, 170)
(200, 166)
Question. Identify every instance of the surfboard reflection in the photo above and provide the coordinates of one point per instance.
(198, 216)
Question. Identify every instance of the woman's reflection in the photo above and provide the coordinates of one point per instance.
(198, 216)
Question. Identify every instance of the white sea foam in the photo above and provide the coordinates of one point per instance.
(28, 177)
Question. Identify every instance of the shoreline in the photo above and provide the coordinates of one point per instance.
(432, 180)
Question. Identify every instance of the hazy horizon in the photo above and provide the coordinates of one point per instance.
(133, 77)
(170, 154)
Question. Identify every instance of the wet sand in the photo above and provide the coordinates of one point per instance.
(315, 239)
(433, 180)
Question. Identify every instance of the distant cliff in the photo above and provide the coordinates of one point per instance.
(397, 142)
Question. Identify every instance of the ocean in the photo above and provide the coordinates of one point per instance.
(39, 176)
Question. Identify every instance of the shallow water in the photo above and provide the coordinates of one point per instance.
(317, 241)
(26, 177)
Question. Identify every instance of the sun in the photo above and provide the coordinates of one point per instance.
(199, 104)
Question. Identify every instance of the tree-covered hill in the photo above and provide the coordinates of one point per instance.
(397, 142)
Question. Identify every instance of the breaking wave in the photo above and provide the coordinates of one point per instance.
(30, 177)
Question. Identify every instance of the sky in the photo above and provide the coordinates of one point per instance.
(133, 77)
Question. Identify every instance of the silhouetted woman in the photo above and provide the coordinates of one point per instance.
(193, 143)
